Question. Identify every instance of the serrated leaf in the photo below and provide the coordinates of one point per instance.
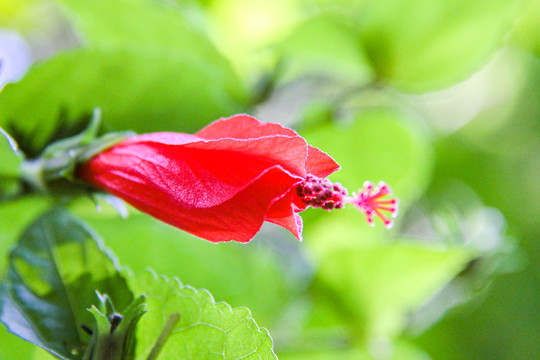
(206, 330)
(53, 274)
(227, 270)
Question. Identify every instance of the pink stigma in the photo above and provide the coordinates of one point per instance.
(369, 201)
(322, 193)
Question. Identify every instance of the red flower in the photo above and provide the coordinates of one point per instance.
(220, 184)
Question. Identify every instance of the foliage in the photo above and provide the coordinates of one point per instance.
(438, 99)
(60, 269)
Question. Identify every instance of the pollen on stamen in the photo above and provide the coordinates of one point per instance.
(322, 193)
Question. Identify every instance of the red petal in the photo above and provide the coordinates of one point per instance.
(193, 177)
(319, 163)
(220, 184)
(289, 152)
(282, 212)
(164, 138)
(243, 127)
(239, 218)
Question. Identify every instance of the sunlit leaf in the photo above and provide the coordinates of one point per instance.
(206, 330)
(501, 164)
(325, 46)
(227, 270)
(370, 283)
(527, 28)
(155, 27)
(378, 285)
(420, 45)
(383, 349)
(241, 28)
(14, 347)
(14, 217)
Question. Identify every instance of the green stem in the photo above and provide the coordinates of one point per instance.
(165, 333)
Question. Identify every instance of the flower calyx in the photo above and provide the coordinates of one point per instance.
(59, 160)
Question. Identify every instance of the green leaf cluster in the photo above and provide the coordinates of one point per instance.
(64, 292)
(440, 99)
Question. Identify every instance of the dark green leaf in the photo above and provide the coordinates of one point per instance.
(14, 217)
(53, 274)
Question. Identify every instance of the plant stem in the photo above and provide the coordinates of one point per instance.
(165, 333)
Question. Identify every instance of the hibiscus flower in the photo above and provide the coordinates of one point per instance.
(223, 182)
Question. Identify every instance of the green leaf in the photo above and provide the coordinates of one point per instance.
(399, 350)
(14, 347)
(136, 90)
(524, 35)
(227, 270)
(380, 144)
(367, 282)
(53, 274)
(14, 217)
(326, 45)
(242, 28)
(10, 158)
(378, 285)
(206, 330)
(154, 27)
(420, 45)
(146, 67)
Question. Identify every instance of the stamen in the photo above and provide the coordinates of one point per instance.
(322, 193)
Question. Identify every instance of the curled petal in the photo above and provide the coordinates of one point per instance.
(219, 184)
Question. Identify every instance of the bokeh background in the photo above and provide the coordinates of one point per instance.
(439, 98)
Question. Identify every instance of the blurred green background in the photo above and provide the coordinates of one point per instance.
(439, 98)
